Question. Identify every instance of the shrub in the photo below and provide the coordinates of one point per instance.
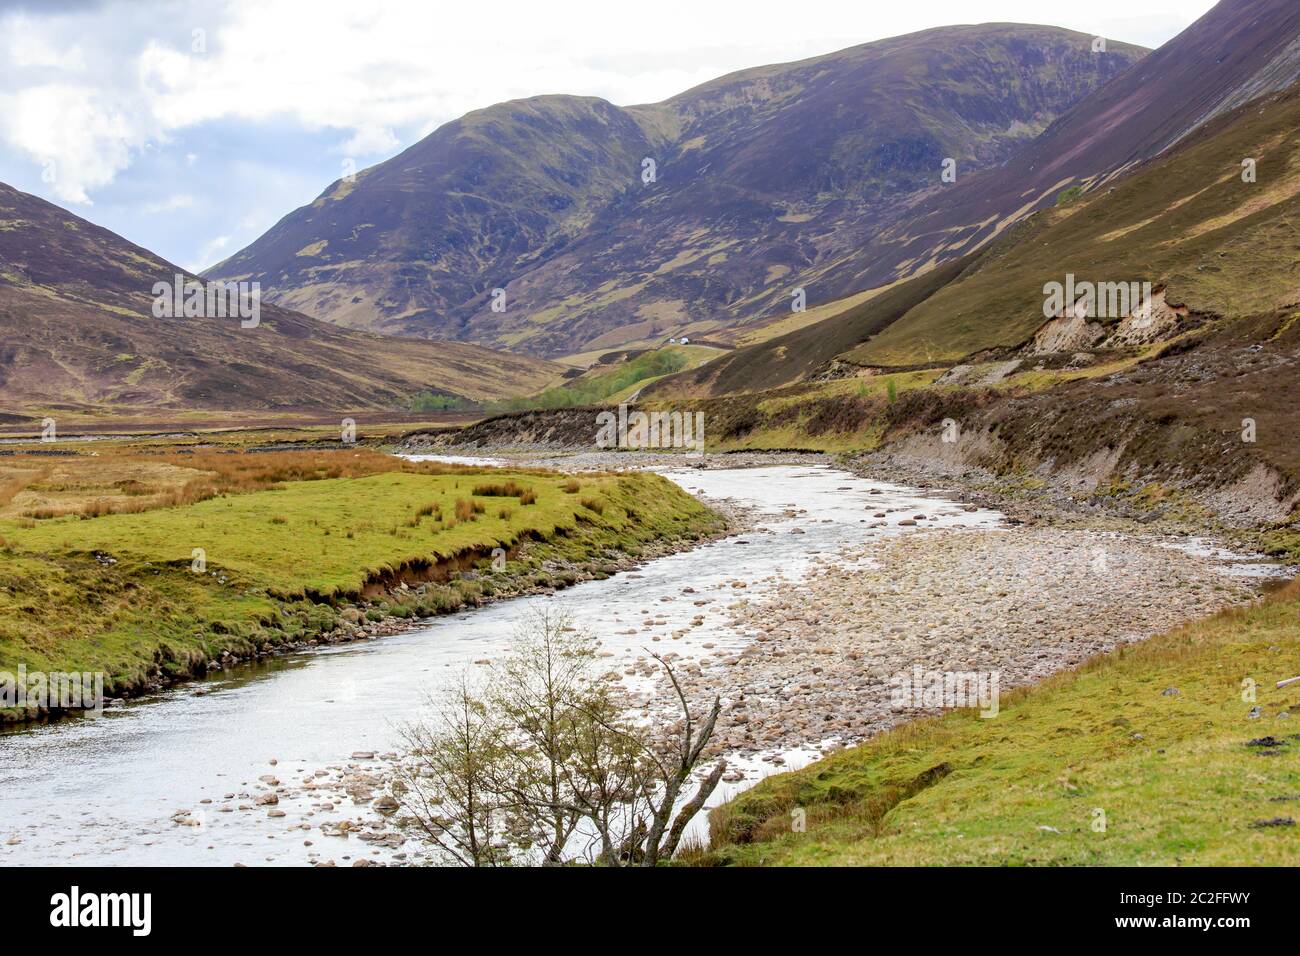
(436, 402)
(96, 508)
(498, 489)
(1067, 196)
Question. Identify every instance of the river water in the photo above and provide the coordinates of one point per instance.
(106, 791)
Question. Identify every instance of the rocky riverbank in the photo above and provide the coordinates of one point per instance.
(816, 672)
(1069, 579)
(1023, 603)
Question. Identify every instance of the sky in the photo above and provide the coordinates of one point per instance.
(192, 126)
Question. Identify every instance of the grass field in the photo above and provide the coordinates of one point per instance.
(613, 382)
(263, 548)
(1145, 756)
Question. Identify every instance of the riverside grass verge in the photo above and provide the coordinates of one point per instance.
(1156, 736)
(293, 561)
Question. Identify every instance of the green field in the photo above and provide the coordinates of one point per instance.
(610, 385)
(1142, 757)
(119, 592)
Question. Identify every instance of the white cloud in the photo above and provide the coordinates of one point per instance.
(78, 134)
(211, 253)
(26, 50)
(369, 141)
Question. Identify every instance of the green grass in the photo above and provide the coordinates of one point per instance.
(116, 593)
(596, 387)
(1172, 773)
(1067, 196)
(134, 619)
(325, 537)
(437, 402)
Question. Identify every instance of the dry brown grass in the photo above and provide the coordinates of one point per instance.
(508, 489)
(467, 509)
(128, 480)
(15, 480)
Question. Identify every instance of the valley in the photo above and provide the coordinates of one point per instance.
(765, 181)
(735, 613)
(82, 340)
(888, 457)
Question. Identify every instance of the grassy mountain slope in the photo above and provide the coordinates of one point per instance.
(766, 180)
(1238, 51)
(799, 354)
(412, 240)
(1188, 222)
(78, 332)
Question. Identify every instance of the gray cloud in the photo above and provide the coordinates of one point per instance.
(49, 7)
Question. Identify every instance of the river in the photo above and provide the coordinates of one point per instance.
(106, 791)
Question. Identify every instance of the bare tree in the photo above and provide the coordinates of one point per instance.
(549, 758)
(642, 773)
(538, 691)
(444, 785)
(677, 760)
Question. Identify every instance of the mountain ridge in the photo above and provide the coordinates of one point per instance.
(79, 332)
(763, 180)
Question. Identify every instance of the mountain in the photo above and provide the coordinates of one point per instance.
(1184, 221)
(1213, 247)
(1239, 50)
(970, 367)
(1209, 242)
(77, 330)
(764, 181)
